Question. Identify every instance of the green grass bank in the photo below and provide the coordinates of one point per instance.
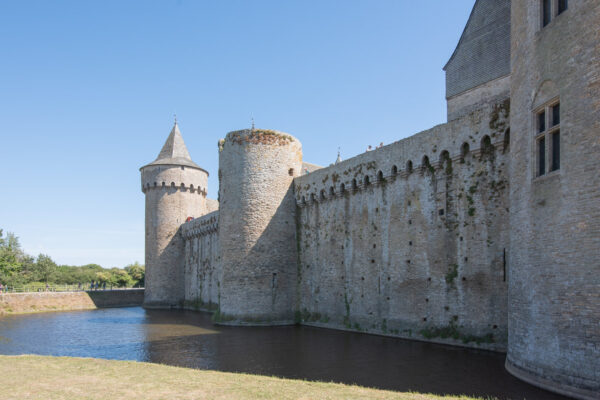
(40, 377)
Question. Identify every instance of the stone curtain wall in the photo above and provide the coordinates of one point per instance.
(416, 254)
(202, 267)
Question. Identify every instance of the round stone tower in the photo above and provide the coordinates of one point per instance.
(554, 257)
(257, 226)
(175, 189)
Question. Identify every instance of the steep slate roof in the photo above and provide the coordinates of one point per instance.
(174, 151)
(483, 51)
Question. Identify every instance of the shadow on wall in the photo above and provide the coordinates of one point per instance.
(262, 287)
(117, 298)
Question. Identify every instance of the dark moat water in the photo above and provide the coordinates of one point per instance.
(189, 339)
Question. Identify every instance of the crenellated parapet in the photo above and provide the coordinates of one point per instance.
(174, 178)
(474, 136)
(174, 186)
(205, 225)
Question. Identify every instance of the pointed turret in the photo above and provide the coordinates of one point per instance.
(175, 189)
(174, 151)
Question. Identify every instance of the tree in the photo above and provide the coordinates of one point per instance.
(28, 271)
(137, 273)
(103, 277)
(121, 278)
(10, 258)
(46, 268)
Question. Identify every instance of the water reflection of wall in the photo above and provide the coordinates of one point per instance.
(328, 355)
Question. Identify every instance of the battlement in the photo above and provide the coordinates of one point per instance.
(173, 186)
(475, 135)
(174, 178)
(201, 226)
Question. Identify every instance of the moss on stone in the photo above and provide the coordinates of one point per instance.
(452, 331)
(452, 273)
(259, 136)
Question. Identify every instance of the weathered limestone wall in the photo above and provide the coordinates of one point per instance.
(257, 216)
(414, 254)
(202, 262)
(19, 303)
(173, 193)
(473, 99)
(554, 309)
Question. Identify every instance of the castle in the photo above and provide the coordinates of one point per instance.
(482, 232)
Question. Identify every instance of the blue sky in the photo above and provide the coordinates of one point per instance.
(88, 90)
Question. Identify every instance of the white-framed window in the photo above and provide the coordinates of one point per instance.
(547, 138)
(550, 9)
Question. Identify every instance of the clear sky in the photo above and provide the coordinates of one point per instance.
(88, 90)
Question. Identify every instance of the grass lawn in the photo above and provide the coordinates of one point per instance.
(39, 377)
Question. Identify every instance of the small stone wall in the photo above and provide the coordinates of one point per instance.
(22, 303)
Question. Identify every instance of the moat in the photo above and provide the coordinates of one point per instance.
(189, 339)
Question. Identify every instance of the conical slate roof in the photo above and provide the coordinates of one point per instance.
(174, 151)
